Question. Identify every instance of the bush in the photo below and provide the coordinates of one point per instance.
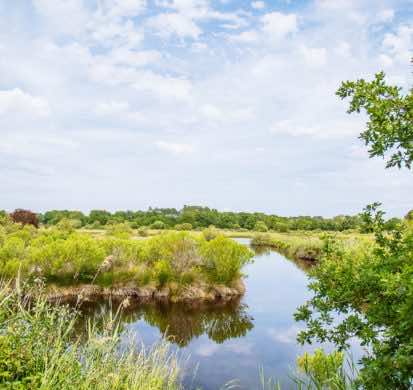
(120, 230)
(322, 370)
(143, 232)
(25, 217)
(183, 226)
(158, 225)
(223, 258)
(260, 226)
(210, 233)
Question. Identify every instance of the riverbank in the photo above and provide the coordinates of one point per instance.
(193, 294)
(175, 266)
(308, 246)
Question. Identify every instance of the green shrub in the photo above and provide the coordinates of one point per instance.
(260, 226)
(120, 230)
(210, 233)
(143, 232)
(223, 258)
(183, 226)
(163, 272)
(158, 225)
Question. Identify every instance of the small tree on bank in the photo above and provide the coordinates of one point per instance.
(25, 217)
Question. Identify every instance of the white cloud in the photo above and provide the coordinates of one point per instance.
(399, 44)
(258, 5)
(316, 57)
(170, 24)
(175, 148)
(118, 110)
(123, 8)
(163, 86)
(278, 25)
(66, 17)
(246, 37)
(15, 101)
(385, 15)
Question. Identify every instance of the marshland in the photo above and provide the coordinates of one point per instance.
(206, 195)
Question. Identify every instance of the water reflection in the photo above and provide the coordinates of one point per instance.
(182, 322)
(261, 250)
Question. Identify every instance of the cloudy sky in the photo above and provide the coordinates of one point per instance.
(125, 104)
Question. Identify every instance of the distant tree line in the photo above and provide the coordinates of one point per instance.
(195, 217)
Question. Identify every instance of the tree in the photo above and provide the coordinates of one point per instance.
(260, 226)
(390, 124)
(372, 288)
(25, 217)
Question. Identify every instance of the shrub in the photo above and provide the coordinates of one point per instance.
(158, 225)
(210, 233)
(183, 226)
(25, 217)
(260, 226)
(223, 258)
(120, 230)
(143, 232)
(66, 225)
(323, 370)
(163, 272)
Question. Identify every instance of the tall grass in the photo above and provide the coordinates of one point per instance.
(309, 245)
(63, 256)
(39, 349)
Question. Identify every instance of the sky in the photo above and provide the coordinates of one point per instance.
(126, 104)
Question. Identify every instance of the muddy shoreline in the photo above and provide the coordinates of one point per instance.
(147, 294)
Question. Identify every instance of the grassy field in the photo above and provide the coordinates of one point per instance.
(302, 245)
(177, 265)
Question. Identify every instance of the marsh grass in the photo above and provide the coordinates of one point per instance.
(40, 349)
(309, 245)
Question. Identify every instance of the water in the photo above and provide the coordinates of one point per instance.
(233, 342)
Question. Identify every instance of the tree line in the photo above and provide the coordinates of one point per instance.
(196, 217)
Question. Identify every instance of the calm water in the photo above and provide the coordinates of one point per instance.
(232, 342)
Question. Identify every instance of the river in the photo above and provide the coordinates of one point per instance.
(231, 344)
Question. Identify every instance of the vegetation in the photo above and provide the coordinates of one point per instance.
(307, 245)
(25, 217)
(64, 256)
(372, 288)
(390, 125)
(40, 349)
(197, 217)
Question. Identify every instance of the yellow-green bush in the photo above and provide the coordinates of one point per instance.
(64, 257)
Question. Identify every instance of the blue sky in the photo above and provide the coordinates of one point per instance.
(125, 104)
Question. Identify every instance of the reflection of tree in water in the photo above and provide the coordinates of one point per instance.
(182, 322)
(262, 250)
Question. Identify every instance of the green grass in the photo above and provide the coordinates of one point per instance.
(116, 258)
(308, 245)
(39, 349)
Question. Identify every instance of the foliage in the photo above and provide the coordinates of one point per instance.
(120, 230)
(200, 217)
(322, 369)
(39, 350)
(210, 233)
(372, 290)
(390, 125)
(69, 257)
(260, 226)
(143, 232)
(159, 225)
(25, 217)
(183, 226)
(223, 259)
